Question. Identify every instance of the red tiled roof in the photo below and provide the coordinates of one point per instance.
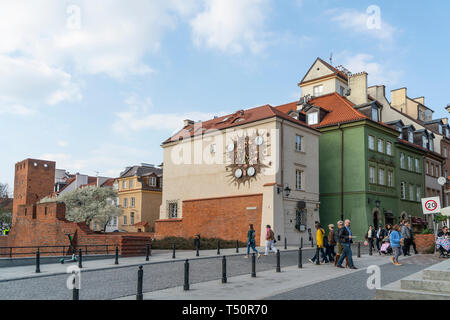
(141, 224)
(238, 118)
(340, 109)
(109, 182)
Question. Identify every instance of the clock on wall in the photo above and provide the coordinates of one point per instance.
(245, 156)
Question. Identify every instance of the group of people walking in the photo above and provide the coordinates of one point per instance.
(342, 238)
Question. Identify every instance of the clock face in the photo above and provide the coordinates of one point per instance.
(230, 147)
(259, 140)
(238, 173)
(251, 171)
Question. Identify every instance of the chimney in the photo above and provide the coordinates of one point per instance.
(358, 87)
(448, 108)
(398, 99)
(188, 122)
(420, 100)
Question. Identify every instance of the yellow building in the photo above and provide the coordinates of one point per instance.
(140, 196)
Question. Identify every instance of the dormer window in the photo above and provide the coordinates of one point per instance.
(424, 142)
(440, 129)
(410, 137)
(318, 90)
(313, 118)
(375, 114)
(447, 133)
(431, 144)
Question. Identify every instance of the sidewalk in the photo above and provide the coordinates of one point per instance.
(266, 283)
(27, 272)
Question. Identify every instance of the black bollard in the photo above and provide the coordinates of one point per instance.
(285, 243)
(147, 252)
(139, 295)
(75, 290)
(300, 265)
(80, 259)
(301, 243)
(359, 249)
(253, 266)
(117, 256)
(224, 270)
(218, 247)
(38, 261)
(186, 275)
(198, 249)
(278, 261)
(370, 248)
(237, 246)
(173, 251)
(317, 256)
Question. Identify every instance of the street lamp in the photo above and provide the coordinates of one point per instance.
(287, 191)
(377, 203)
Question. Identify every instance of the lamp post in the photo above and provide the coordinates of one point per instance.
(287, 191)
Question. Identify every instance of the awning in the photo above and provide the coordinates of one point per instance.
(445, 211)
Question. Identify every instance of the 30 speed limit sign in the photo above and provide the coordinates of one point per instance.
(431, 205)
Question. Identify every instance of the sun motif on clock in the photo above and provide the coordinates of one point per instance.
(245, 157)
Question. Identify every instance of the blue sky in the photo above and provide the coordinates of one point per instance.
(98, 88)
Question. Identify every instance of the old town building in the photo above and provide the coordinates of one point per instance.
(257, 166)
(140, 194)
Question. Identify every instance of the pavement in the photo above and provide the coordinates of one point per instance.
(310, 282)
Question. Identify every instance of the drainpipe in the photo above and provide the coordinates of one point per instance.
(342, 171)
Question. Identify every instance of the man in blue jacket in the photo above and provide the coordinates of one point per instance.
(345, 239)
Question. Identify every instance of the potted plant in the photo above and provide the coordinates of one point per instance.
(425, 241)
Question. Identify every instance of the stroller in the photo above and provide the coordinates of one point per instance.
(386, 247)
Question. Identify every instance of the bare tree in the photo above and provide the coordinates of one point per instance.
(4, 190)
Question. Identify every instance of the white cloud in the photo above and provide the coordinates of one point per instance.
(378, 73)
(231, 26)
(62, 143)
(357, 22)
(139, 116)
(47, 44)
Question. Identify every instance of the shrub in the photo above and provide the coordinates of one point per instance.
(188, 244)
(427, 231)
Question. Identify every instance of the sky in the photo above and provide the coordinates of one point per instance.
(98, 85)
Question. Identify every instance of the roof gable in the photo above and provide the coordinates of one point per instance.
(321, 69)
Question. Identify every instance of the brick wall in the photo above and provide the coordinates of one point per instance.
(45, 225)
(226, 218)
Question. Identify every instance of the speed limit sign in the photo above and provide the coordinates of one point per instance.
(431, 205)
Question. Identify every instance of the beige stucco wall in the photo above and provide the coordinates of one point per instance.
(184, 181)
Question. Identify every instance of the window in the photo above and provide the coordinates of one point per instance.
(440, 129)
(131, 184)
(375, 114)
(389, 148)
(298, 143)
(124, 185)
(132, 218)
(417, 163)
(424, 142)
(371, 143)
(390, 179)
(410, 163)
(125, 202)
(411, 192)
(418, 193)
(445, 152)
(371, 174)
(380, 145)
(133, 202)
(341, 90)
(403, 191)
(410, 137)
(173, 210)
(313, 118)
(152, 181)
(402, 160)
(447, 133)
(212, 148)
(318, 90)
(381, 176)
(299, 179)
(426, 167)
(125, 220)
(431, 144)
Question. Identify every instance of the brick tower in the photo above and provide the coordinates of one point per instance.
(33, 180)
